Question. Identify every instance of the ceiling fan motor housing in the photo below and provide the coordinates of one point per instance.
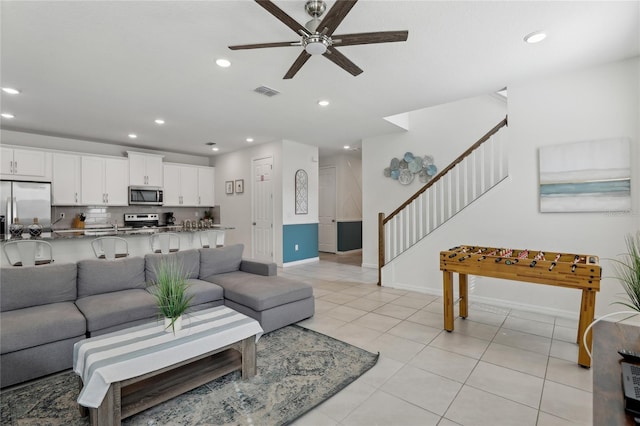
(315, 8)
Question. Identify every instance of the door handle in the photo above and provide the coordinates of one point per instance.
(15, 167)
(254, 224)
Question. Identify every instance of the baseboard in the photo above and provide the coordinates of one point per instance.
(349, 251)
(370, 265)
(301, 262)
(502, 303)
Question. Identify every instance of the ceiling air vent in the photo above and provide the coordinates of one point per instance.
(267, 91)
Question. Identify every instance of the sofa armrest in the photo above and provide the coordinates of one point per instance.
(259, 268)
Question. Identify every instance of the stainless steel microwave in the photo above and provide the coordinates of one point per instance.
(146, 195)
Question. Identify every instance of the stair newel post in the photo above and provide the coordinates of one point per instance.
(380, 246)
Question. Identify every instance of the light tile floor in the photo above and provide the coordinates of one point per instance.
(498, 367)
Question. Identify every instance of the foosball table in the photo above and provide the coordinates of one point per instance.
(579, 271)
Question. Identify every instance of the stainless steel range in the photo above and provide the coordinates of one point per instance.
(141, 220)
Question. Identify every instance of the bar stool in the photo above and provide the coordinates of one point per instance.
(28, 252)
(110, 248)
(213, 238)
(164, 242)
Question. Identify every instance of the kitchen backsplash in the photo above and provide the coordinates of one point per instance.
(100, 215)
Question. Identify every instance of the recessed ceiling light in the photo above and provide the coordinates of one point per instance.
(224, 63)
(323, 103)
(535, 37)
(159, 121)
(215, 148)
(249, 140)
(133, 135)
(346, 147)
(10, 90)
(7, 115)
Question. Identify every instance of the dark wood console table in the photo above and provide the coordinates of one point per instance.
(608, 398)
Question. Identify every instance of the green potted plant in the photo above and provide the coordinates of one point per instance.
(170, 290)
(627, 271)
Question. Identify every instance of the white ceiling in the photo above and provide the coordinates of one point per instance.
(98, 70)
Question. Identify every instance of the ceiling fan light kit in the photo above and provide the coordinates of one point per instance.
(321, 42)
(316, 44)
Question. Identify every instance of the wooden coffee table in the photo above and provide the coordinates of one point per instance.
(126, 372)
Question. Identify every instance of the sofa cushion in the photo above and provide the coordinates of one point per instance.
(38, 325)
(112, 309)
(259, 292)
(189, 259)
(202, 291)
(22, 287)
(220, 260)
(96, 276)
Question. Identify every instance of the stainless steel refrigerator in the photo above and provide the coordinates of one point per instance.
(25, 200)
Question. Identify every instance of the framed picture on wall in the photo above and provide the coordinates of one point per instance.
(302, 192)
(228, 187)
(239, 186)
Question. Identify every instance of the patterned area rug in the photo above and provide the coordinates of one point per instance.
(297, 370)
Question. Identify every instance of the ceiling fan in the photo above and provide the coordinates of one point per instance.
(317, 35)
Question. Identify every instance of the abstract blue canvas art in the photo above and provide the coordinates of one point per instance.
(592, 176)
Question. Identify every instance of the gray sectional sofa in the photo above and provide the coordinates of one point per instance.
(45, 310)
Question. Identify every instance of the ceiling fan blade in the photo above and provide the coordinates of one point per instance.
(340, 60)
(334, 17)
(299, 62)
(282, 16)
(262, 45)
(369, 38)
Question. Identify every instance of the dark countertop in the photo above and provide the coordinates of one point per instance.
(59, 234)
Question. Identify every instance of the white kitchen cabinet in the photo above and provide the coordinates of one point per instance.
(145, 169)
(104, 181)
(25, 164)
(65, 183)
(180, 185)
(206, 176)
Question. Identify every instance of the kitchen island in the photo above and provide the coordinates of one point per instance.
(71, 245)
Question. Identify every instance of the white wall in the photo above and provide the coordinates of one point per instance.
(348, 185)
(235, 209)
(77, 146)
(443, 131)
(297, 156)
(599, 103)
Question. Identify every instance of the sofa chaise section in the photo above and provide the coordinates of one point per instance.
(254, 289)
(40, 322)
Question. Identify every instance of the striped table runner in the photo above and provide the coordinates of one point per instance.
(124, 354)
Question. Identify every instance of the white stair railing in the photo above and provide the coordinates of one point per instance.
(471, 175)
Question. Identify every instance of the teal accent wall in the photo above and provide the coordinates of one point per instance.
(349, 235)
(305, 236)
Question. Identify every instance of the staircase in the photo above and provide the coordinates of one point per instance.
(481, 167)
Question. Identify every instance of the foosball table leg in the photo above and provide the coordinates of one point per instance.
(447, 299)
(587, 312)
(463, 291)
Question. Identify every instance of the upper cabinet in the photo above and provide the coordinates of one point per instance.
(65, 184)
(105, 181)
(27, 164)
(145, 169)
(188, 186)
(205, 186)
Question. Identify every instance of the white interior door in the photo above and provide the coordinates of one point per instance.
(262, 210)
(327, 228)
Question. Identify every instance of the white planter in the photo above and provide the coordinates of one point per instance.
(177, 325)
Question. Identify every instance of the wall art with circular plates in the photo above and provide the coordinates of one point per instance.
(406, 169)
